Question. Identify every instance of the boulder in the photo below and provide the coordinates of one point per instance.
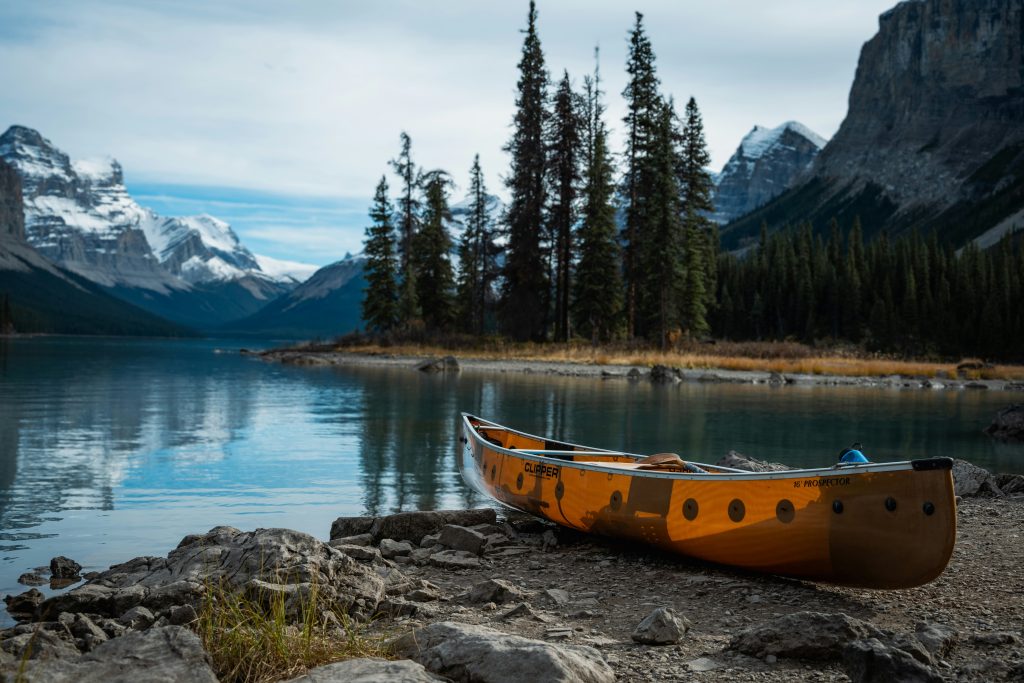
(33, 578)
(664, 374)
(461, 538)
(661, 627)
(137, 617)
(363, 553)
(466, 652)
(492, 590)
(1008, 424)
(366, 670)
(234, 559)
(871, 661)
(971, 480)
(41, 643)
(23, 605)
(804, 635)
(390, 549)
(442, 364)
(739, 461)
(410, 526)
(159, 655)
(87, 631)
(1010, 484)
(938, 639)
(64, 568)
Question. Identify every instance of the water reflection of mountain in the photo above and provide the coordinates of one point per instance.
(76, 422)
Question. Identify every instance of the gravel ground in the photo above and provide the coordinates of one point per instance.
(612, 586)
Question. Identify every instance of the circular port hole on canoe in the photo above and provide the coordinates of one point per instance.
(837, 507)
(737, 511)
(785, 511)
(616, 501)
(519, 481)
(929, 508)
(559, 490)
(690, 509)
(890, 504)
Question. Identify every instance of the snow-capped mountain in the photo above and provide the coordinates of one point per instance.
(765, 164)
(80, 216)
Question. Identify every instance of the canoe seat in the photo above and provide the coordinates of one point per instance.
(667, 461)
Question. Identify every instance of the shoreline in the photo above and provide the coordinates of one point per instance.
(631, 372)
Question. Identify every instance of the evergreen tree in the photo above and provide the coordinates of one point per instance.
(525, 289)
(695, 186)
(597, 298)
(643, 108)
(477, 252)
(563, 169)
(432, 245)
(409, 206)
(380, 298)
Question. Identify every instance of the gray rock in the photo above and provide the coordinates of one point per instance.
(557, 595)
(633, 374)
(32, 579)
(804, 635)
(661, 627)
(159, 655)
(743, 462)
(23, 605)
(1008, 424)
(430, 540)
(360, 540)
(455, 559)
(391, 549)
(871, 661)
(996, 638)
(443, 364)
(87, 631)
(702, 664)
(362, 553)
(137, 617)
(461, 538)
(465, 652)
(235, 559)
(64, 568)
(368, 671)
(497, 591)
(664, 374)
(182, 615)
(938, 639)
(1010, 484)
(410, 526)
(971, 480)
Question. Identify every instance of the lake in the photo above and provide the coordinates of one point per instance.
(113, 448)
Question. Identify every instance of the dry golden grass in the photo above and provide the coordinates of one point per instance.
(782, 357)
(250, 640)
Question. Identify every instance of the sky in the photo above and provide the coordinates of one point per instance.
(280, 117)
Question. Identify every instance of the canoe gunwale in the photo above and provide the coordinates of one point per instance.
(729, 474)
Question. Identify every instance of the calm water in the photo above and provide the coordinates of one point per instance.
(113, 448)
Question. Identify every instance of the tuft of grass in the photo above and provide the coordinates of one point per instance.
(251, 638)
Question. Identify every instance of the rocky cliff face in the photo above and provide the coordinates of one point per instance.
(765, 164)
(934, 135)
(938, 91)
(12, 215)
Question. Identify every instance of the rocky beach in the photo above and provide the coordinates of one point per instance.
(483, 595)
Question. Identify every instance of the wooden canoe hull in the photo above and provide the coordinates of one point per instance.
(890, 525)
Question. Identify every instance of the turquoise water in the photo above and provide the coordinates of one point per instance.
(113, 448)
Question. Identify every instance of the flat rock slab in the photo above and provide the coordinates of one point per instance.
(368, 670)
(477, 654)
(166, 654)
(410, 526)
(804, 635)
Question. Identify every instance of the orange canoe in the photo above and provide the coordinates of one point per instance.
(886, 525)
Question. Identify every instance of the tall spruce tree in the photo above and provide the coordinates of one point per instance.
(477, 257)
(597, 298)
(380, 298)
(524, 296)
(695, 187)
(563, 170)
(432, 245)
(660, 273)
(409, 207)
(642, 114)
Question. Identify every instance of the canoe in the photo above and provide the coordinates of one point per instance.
(884, 525)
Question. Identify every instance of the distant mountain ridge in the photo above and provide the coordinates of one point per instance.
(934, 135)
(766, 163)
(80, 216)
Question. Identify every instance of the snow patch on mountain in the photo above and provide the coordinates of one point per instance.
(283, 271)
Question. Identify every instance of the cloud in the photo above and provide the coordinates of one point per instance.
(307, 99)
